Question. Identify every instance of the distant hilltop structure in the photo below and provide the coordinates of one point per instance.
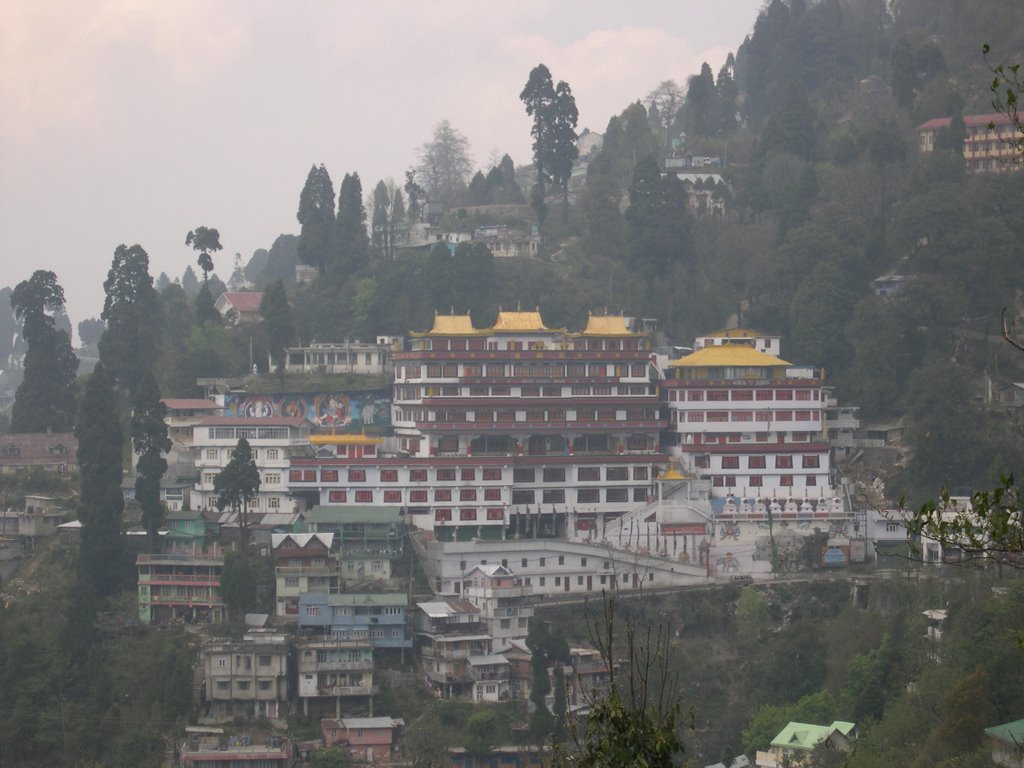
(986, 150)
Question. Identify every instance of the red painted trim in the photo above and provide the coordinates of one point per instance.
(741, 449)
(482, 461)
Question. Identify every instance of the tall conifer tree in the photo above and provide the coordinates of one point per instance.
(150, 442)
(45, 399)
(100, 500)
(316, 216)
(130, 344)
(351, 243)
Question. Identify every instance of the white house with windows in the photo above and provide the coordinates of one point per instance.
(273, 441)
(503, 600)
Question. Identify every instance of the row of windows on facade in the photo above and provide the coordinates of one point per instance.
(523, 371)
(506, 444)
(529, 416)
(742, 395)
(757, 481)
(269, 454)
(249, 433)
(243, 685)
(560, 581)
(481, 343)
(266, 479)
(807, 461)
(292, 582)
(723, 417)
(522, 498)
(519, 496)
(542, 562)
(577, 390)
(345, 610)
(722, 438)
(469, 474)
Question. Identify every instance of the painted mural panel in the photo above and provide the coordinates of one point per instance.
(354, 411)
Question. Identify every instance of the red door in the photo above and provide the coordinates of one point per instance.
(566, 588)
(590, 583)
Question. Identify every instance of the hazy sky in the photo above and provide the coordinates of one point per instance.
(135, 121)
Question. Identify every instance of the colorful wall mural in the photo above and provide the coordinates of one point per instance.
(358, 411)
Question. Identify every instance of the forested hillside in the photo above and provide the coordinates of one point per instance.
(813, 120)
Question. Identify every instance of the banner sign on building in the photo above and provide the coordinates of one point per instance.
(343, 412)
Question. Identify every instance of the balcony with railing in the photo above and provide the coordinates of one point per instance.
(310, 666)
(347, 690)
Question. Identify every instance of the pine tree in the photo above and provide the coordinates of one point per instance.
(701, 104)
(150, 442)
(100, 499)
(538, 97)
(562, 147)
(277, 321)
(351, 244)
(45, 399)
(316, 217)
(381, 222)
(130, 344)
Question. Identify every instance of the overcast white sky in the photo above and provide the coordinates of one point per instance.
(136, 120)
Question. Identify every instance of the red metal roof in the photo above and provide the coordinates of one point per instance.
(970, 121)
(248, 301)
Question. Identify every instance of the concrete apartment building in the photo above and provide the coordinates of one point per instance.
(331, 670)
(272, 439)
(248, 677)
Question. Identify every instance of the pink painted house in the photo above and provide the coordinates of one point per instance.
(369, 740)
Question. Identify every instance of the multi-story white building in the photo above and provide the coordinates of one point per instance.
(370, 359)
(517, 430)
(272, 439)
(183, 415)
(750, 421)
(504, 603)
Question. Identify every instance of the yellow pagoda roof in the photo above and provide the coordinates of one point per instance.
(728, 355)
(519, 321)
(670, 474)
(345, 440)
(450, 325)
(607, 325)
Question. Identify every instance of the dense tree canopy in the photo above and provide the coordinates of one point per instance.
(316, 218)
(351, 243)
(238, 484)
(45, 398)
(205, 241)
(101, 501)
(277, 321)
(444, 164)
(150, 442)
(131, 342)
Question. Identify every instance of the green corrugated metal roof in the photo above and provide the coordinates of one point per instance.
(808, 736)
(1011, 733)
(352, 514)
